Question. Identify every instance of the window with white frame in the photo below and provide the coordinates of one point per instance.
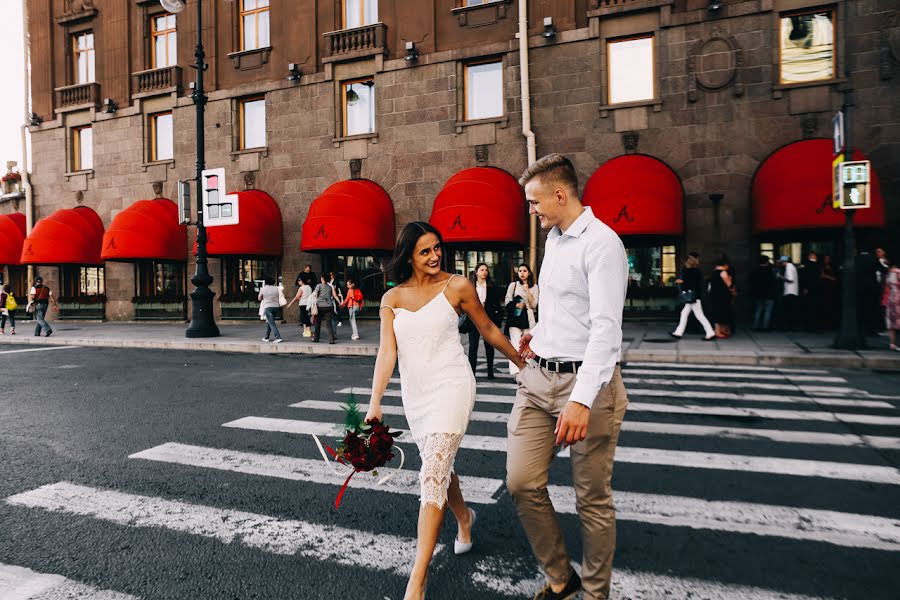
(161, 136)
(359, 106)
(82, 148)
(252, 123)
(358, 13)
(83, 57)
(807, 46)
(165, 41)
(631, 72)
(484, 90)
(254, 24)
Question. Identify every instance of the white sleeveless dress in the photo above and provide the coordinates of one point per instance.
(437, 387)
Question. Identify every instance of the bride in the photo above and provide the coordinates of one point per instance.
(419, 326)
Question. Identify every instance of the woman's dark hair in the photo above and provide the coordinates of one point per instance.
(7, 288)
(350, 282)
(400, 268)
(473, 275)
(530, 274)
(269, 280)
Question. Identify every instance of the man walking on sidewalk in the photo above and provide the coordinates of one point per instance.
(42, 297)
(571, 393)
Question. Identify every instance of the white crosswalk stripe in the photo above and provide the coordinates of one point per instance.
(19, 583)
(747, 376)
(733, 368)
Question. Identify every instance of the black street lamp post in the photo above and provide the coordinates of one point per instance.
(203, 323)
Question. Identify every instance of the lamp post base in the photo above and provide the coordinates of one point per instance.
(203, 323)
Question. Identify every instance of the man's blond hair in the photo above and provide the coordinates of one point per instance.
(553, 169)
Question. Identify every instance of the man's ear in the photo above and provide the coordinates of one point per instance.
(562, 196)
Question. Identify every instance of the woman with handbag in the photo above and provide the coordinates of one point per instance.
(521, 302)
(690, 282)
(487, 294)
(304, 291)
(8, 306)
(325, 298)
(270, 296)
(353, 301)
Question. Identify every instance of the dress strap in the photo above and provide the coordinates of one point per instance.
(449, 279)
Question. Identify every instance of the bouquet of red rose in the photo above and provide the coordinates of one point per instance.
(365, 447)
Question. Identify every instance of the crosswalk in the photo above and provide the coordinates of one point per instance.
(697, 446)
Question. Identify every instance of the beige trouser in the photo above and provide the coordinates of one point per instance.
(540, 398)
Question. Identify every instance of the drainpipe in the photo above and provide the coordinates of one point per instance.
(26, 177)
(526, 120)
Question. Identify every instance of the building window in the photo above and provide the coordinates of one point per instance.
(254, 24)
(160, 280)
(83, 57)
(253, 123)
(78, 282)
(484, 90)
(652, 266)
(807, 47)
(165, 42)
(161, 136)
(359, 107)
(631, 72)
(82, 148)
(359, 13)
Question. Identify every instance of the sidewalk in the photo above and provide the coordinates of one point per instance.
(643, 342)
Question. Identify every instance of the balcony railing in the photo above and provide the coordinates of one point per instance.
(77, 96)
(353, 43)
(156, 81)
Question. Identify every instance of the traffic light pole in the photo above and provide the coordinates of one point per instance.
(849, 336)
(203, 323)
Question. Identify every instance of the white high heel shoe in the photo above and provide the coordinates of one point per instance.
(461, 547)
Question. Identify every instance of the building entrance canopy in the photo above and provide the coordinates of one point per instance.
(12, 236)
(257, 234)
(146, 230)
(70, 236)
(792, 190)
(484, 206)
(350, 217)
(637, 194)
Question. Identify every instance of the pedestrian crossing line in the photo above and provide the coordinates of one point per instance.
(494, 574)
(19, 583)
(471, 442)
(689, 409)
(323, 542)
(387, 409)
(837, 528)
(45, 349)
(500, 399)
(748, 376)
(727, 462)
(789, 387)
(498, 443)
(733, 368)
(478, 490)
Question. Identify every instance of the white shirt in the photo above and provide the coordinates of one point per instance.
(481, 290)
(583, 281)
(791, 283)
(268, 296)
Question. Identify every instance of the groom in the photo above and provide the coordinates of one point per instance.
(571, 392)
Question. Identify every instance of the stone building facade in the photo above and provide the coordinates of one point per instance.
(719, 108)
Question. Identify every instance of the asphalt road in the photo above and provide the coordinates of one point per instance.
(118, 478)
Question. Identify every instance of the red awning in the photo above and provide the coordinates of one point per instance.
(146, 230)
(792, 190)
(351, 217)
(12, 236)
(481, 205)
(637, 194)
(257, 234)
(70, 236)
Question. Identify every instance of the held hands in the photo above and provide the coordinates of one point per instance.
(374, 413)
(572, 424)
(525, 352)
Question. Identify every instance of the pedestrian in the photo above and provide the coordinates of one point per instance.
(304, 291)
(41, 298)
(419, 327)
(811, 291)
(8, 306)
(691, 283)
(788, 311)
(307, 276)
(325, 298)
(353, 301)
(869, 274)
(720, 298)
(337, 301)
(882, 267)
(763, 290)
(269, 303)
(891, 303)
(522, 296)
(571, 391)
(487, 294)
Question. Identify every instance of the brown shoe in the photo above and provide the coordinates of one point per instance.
(570, 591)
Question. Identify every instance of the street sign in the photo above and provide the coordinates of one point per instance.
(855, 177)
(184, 202)
(219, 208)
(837, 128)
(837, 188)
